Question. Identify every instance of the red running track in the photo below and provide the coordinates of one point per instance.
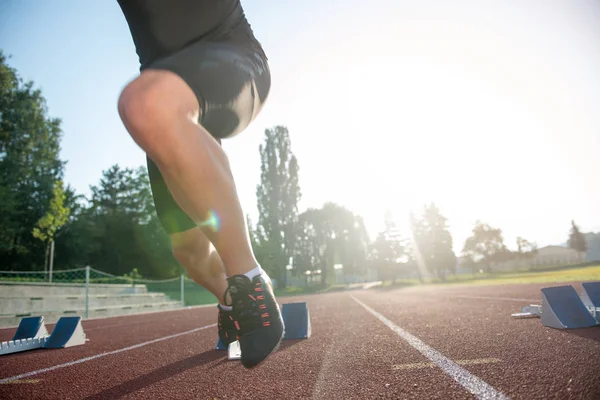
(451, 342)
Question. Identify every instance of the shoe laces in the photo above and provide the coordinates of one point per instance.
(227, 324)
(248, 304)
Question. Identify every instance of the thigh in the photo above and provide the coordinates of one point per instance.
(231, 83)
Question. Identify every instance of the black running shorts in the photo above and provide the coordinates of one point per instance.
(231, 82)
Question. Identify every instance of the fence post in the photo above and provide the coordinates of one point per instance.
(182, 291)
(87, 290)
(51, 258)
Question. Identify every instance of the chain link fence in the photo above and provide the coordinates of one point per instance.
(99, 289)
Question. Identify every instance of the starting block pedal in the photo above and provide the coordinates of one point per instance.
(590, 296)
(68, 332)
(234, 352)
(31, 327)
(563, 309)
(530, 311)
(296, 320)
(32, 334)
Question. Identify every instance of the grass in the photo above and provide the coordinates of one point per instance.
(590, 273)
(587, 273)
(195, 295)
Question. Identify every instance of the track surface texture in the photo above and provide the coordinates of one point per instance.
(422, 342)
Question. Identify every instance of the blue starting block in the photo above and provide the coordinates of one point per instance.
(296, 320)
(32, 334)
(562, 308)
(68, 332)
(590, 296)
(31, 327)
(220, 345)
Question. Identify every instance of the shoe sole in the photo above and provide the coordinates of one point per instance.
(271, 352)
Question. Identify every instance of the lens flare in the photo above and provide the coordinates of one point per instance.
(212, 222)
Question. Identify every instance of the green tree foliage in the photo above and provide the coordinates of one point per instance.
(56, 216)
(485, 246)
(577, 239)
(433, 242)
(277, 195)
(125, 226)
(29, 168)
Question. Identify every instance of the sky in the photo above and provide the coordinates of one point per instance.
(487, 108)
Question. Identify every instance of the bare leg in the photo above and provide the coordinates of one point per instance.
(193, 250)
(160, 112)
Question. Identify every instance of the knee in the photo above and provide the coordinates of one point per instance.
(148, 110)
(139, 109)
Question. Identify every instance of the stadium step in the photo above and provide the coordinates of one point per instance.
(42, 289)
(40, 304)
(97, 312)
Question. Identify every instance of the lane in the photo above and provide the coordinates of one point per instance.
(471, 383)
(350, 355)
(536, 362)
(107, 335)
(21, 377)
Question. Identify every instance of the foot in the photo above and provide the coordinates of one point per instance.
(228, 327)
(257, 313)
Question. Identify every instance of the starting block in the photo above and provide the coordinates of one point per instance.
(234, 352)
(590, 296)
(296, 319)
(562, 308)
(68, 332)
(32, 334)
(296, 322)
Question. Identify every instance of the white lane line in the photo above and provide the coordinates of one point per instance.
(467, 380)
(494, 298)
(108, 353)
(477, 361)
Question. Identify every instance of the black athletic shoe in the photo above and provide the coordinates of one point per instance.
(228, 327)
(257, 313)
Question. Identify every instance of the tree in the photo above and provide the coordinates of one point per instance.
(122, 223)
(485, 246)
(327, 236)
(29, 168)
(277, 195)
(433, 242)
(593, 246)
(56, 216)
(525, 249)
(388, 253)
(576, 239)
